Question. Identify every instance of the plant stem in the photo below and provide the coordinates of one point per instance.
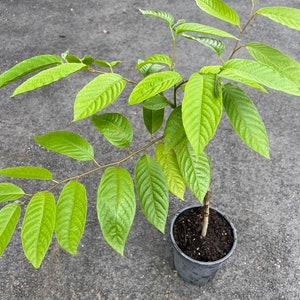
(206, 215)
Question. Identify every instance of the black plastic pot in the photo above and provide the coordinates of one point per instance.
(194, 271)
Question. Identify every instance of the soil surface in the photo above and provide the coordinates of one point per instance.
(187, 234)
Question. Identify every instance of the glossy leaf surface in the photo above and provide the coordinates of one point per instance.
(153, 119)
(9, 217)
(37, 227)
(116, 206)
(98, 94)
(71, 216)
(115, 128)
(152, 191)
(245, 119)
(66, 143)
(159, 14)
(27, 172)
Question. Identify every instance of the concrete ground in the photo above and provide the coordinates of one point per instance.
(260, 196)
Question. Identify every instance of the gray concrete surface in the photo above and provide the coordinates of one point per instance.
(260, 196)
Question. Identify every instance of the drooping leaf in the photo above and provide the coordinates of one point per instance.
(10, 192)
(168, 162)
(174, 131)
(220, 10)
(27, 172)
(28, 66)
(286, 16)
(195, 171)
(152, 191)
(155, 59)
(71, 216)
(87, 60)
(37, 227)
(115, 128)
(159, 14)
(106, 64)
(48, 76)
(156, 103)
(202, 29)
(201, 110)
(152, 85)
(260, 73)
(215, 45)
(245, 119)
(98, 94)
(72, 59)
(66, 143)
(281, 62)
(116, 206)
(153, 119)
(9, 217)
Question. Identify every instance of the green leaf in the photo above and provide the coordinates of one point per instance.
(116, 206)
(202, 29)
(210, 70)
(98, 94)
(260, 73)
(72, 59)
(37, 227)
(9, 217)
(87, 60)
(156, 103)
(152, 191)
(286, 16)
(153, 85)
(201, 110)
(168, 162)
(71, 216)
(281, 62)
(215, 45)
(155, 58)
(195, 171)
(153, 119)
(106, 64)
(245, 119)
(150, 69)
(159, 14)
(10, 192)
(27, 172)
(28, 66)
(48, 76)
(66, 143)
(174, 131)
(220, 10)
(115, 128)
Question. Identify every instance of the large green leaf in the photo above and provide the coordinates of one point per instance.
(195, 171)
(156, 103)
(28, 66)
(153, 119)
(9, 217)
(245, 119)
(66, 143)
(37, 227)
(115, 128)
(98, 94)
(71, 216)
(159, 14)
(152, 191)
(286, 16)
(201, 110)
(215, 45)
(168, 162)
(260, 73)
(155, 59)
(10, 192)
(48, 76)
(116, 206)
(27, 172)
(220, 10)
(174, 131)
(153, 85)
(281, 62)
(202, 29)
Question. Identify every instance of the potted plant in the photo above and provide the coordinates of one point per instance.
(192, 114)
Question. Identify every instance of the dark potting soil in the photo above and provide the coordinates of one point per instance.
(187, 234)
